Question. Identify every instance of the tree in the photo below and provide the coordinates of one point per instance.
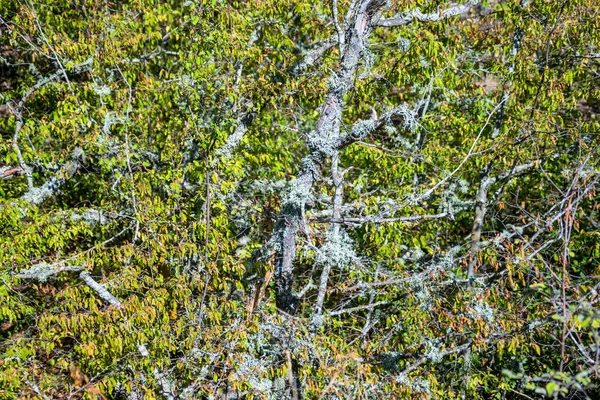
(351, 198)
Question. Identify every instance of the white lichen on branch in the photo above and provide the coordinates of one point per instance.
(338, 250)
(42, 271)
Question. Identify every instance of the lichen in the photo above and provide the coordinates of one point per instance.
(338, 250)
(363, 128)
(109, 120)
(404, 44)
(336, 84)
(298, 195)
(268, 187)
(402, 142)
(417, 384)
(232, 142)
(39, 194)
(480, 309)
(433, 352)
(102, 91)
(40, 272)
(91, 217)
(321, 142)
(368, 59)
(463, 186)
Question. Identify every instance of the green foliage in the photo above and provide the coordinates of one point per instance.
(125, 113)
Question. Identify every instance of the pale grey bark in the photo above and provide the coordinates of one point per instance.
(358, 308)
(486, 180)
(37, 195)
(226, 151)
(15, 145)
(441, 354)
(92, 216)
(36, 389)
(481, 204)
(480, 211)
(338, 27)
(382, 220)
(338, 199)
(41, 272)
(314, 55)
(517, 37)
(322, 142)
(101, 290)
(17, 111)
(408, 116)
(417, 15)
(326, 141)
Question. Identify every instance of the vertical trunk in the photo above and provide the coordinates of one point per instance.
(322, 142)
(338, 199)
(287, 227)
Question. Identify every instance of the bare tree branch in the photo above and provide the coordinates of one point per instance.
(9, 172)
(407, 17)
(102, 292)
(43, 271)
(312, 56)
(443, 353)
(358, 308)
(37, 195)
(381, 220)
(322, 142)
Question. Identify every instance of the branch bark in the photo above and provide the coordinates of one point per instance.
(322, 142)
(416, 15)
(338, 199)
(101, 290)
(43, 271)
